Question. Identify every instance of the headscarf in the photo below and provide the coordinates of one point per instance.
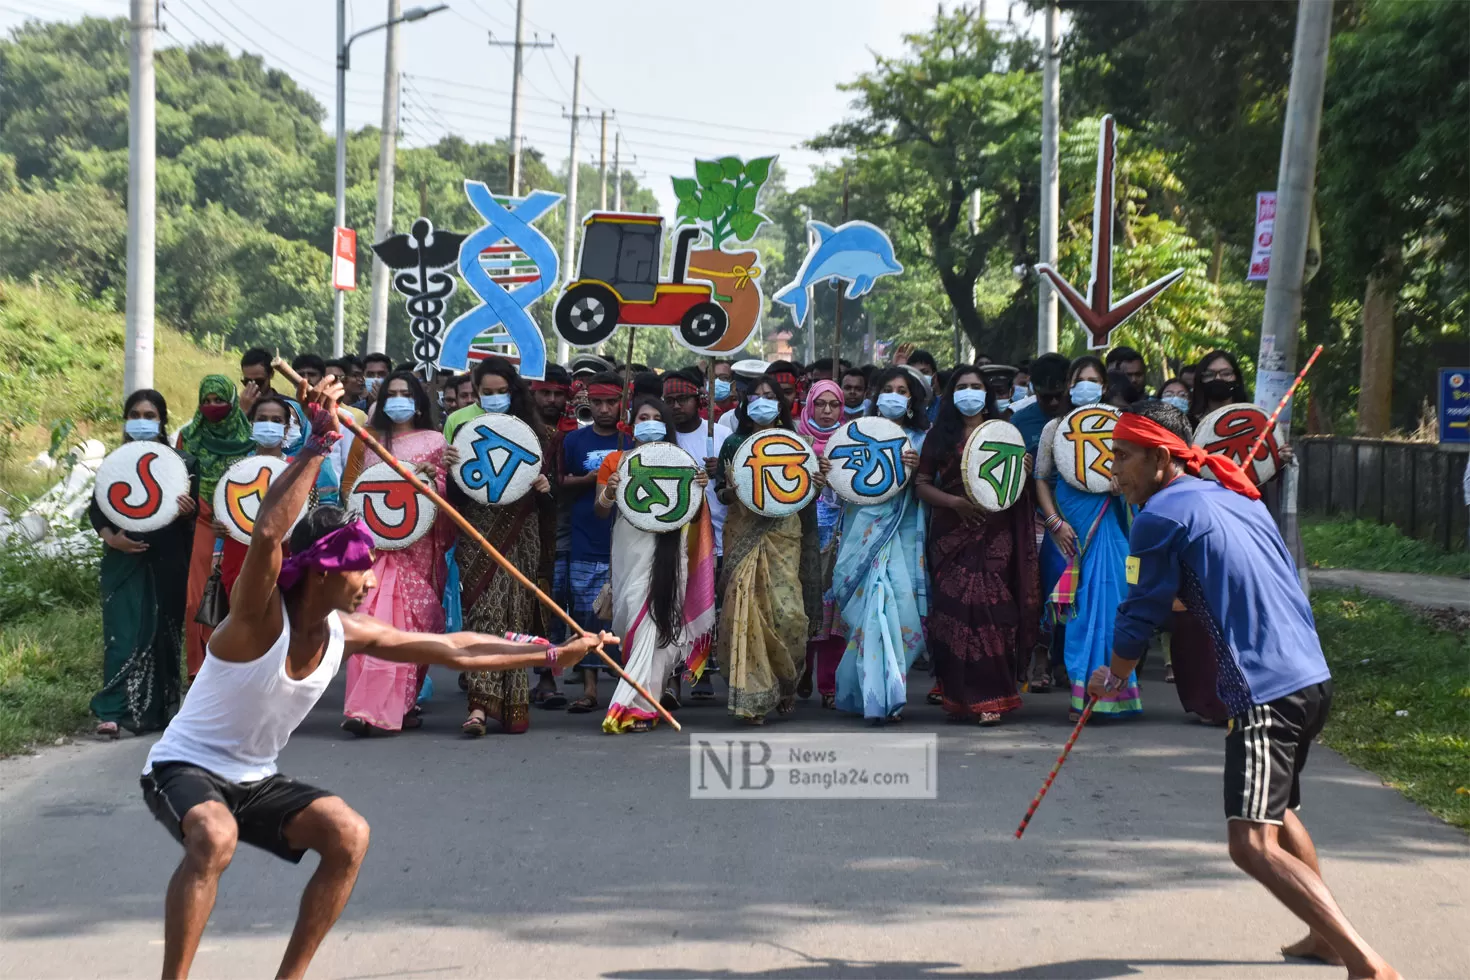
(217, 445)
(807, 424)
(1135, 428)
(347, 549)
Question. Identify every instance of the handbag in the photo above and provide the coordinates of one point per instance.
(602, 605)
(215, 605)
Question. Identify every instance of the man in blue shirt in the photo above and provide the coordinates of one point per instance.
(1215, 546)
(1049, 393)
(590, 560)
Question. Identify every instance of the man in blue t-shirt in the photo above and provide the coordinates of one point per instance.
(1215, 546)
(582, 452)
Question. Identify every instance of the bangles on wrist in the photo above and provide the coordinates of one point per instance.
(1053, 522)
(552, 652)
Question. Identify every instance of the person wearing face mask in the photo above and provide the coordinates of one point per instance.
(984, 604)
(663, 586)
(375, 370)
(217, 438)
(1175, 393)
(999, 389)
(855, 393)
(524, 532)
(144, 582)
(879, 583)
(819, 420)
(724, 389)
(381, 695)
(1090, 530)
(772, 596)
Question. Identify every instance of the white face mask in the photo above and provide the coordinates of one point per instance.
(268, 434)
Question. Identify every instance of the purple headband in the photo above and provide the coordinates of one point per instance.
(347, 549)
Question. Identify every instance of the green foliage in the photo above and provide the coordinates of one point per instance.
(721, 197)
(50, 665)
(1346, 543)
(1386, 660)
(30, 581)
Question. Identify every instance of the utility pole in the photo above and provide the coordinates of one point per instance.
(339, 298)
(1295, 185)
(837, 325)
(1046, 311)
(138, 355)
(377, 335)
(618, 171)
(811, 327)
(602, 165)
(568, 253)
(520, 44)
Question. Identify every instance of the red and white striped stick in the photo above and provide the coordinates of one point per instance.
(1271, 422)
(1031, 810)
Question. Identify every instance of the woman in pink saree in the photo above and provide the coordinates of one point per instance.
(380, 693)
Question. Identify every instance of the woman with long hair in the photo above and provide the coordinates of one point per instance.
(381, 694)
(144, 580)
(1091, 532)
(217, 438)
(880, 583)
(820, 417)
(1218, 382)
(524, 532)
(770, 587)
(663, 585)
(983, 601)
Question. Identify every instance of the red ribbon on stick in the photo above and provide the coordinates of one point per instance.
(1031, 810)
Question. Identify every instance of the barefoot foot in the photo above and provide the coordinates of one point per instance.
(1312, 947)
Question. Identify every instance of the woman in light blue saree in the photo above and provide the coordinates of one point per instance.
(879, 581)
(1091, 531)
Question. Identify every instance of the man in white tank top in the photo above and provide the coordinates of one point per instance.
(212, 780)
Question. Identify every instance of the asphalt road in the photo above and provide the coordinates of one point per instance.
(567, 853)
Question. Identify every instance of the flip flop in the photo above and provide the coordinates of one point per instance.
(670, 700)
(551, 701)
(583, 706)
(473, 727)
(108, 729)
(934, 696)
(704, 690)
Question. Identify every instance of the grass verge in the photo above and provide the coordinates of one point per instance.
(1345, 543)
(50, 666)
(1402, 704)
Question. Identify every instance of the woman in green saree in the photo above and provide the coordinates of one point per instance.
(144, 581)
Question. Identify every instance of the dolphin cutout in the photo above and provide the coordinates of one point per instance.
(857, 253)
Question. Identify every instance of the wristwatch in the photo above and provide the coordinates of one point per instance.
(1113, 682)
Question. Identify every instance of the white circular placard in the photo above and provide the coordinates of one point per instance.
(1083, 447)
(139, 484)
(867, 460)
(240, 492)
(773, 472)
(396, 514)
(995, 473)
(656, 489)
(499, 458)
(1231, 431)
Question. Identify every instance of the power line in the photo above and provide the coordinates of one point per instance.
(261, 51)
(488, 14)
(268, 30)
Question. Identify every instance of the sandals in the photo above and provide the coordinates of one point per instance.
(704, 689)
(107, 729)
(357, 727)
(670, 700)
(989, 718)
(829, 701)
(584, 705)
(641, 725)
(935, 696)
(473, 727)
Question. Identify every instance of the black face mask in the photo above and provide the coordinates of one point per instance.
(1218, 389)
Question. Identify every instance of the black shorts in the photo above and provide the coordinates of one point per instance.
(260, 809)
(1266, 750)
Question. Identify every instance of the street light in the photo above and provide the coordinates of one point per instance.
(344, 61)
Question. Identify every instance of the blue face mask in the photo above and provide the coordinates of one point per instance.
(1178, 401)
(399, 408)
(1086, 393)
(722, 389)
(141, 430)
(892, 405)
(649, 430)
(268, 433)
(1001, 404)
(762, 410)
(495, 403)
(370, 385)
(1020, 391)
(970, 401)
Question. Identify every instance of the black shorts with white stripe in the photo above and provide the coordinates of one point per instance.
(1266, 750)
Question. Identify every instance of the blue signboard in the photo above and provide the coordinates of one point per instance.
(1454, 405)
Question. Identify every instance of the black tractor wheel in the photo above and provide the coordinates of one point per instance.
(586, 315)
(703, 325)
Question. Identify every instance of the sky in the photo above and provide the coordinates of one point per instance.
(682, 78)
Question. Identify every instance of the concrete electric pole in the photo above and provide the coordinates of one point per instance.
(377, 335)
(138, 353)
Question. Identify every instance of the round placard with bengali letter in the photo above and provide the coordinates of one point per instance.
(774, 473)
(1231, 431)
(499, 458)
(867, 460)
(994, 465)
(1082, 447)
(656, 488)
(139, 484)
(395, 513)
(240, 492)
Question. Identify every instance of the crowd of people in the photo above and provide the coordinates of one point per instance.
(839, 600)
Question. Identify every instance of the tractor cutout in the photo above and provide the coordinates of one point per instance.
(617, 283)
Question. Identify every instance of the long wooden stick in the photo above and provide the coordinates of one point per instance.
(1031, 810)
(709, 424)
(346, 419)
(1271, 422)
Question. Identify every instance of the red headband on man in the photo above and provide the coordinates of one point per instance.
(604, 391)
(679, 388)
(782, 377)
(1146, 432)
(549, 386)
